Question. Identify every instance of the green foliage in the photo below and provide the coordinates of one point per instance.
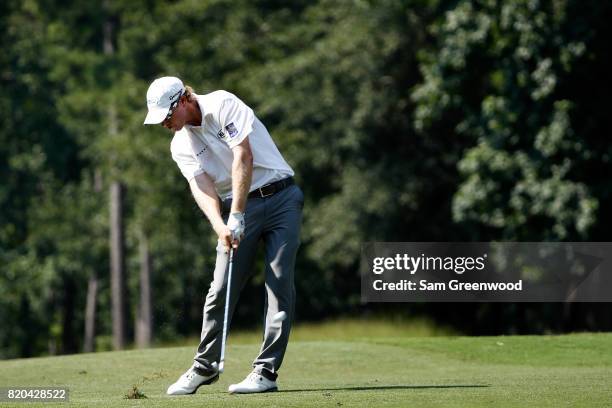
(502, 75)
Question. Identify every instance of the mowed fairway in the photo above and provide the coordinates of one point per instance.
(510, 371)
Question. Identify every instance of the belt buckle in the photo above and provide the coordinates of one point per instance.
(261, 191)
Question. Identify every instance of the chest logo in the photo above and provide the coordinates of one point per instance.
(220, 134)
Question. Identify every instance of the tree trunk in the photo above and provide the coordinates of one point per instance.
(118, 285)
(69, 344)
(144, 319)
(89, 343)
(118, 291)
(90, 314)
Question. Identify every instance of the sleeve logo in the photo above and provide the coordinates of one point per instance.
(231, 130)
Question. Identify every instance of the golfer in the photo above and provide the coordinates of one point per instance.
(246, 189)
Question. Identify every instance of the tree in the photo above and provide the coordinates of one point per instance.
(503, 76)
(515, 83)
(144, 317)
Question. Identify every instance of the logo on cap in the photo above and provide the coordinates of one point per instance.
(171, 98)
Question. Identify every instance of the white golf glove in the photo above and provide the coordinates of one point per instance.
(235, 223)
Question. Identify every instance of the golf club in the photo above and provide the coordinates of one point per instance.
(227, 301)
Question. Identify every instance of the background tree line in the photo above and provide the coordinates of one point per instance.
(413, 120)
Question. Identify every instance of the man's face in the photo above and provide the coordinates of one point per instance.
(177, 116)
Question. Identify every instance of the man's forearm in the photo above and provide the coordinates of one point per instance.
(242, 173)
(202, 191)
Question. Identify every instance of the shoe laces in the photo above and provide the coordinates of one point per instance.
(255, 377)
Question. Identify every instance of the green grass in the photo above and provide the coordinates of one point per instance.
(376, 370)
(343, 329)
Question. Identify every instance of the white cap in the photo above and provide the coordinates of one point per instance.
(160, 96)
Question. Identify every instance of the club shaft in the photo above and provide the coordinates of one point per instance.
(226, 313)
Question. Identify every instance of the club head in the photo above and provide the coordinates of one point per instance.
(279, 317)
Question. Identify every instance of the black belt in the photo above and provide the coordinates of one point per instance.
(262, 192)
(272, 188)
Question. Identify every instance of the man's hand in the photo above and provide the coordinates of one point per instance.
(225, 237)
(236, 226)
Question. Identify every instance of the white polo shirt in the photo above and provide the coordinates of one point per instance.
(226, 122)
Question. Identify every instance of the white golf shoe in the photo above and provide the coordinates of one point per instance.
(253, 383)
(189, 382)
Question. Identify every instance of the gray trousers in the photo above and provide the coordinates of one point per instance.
(276, 220)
